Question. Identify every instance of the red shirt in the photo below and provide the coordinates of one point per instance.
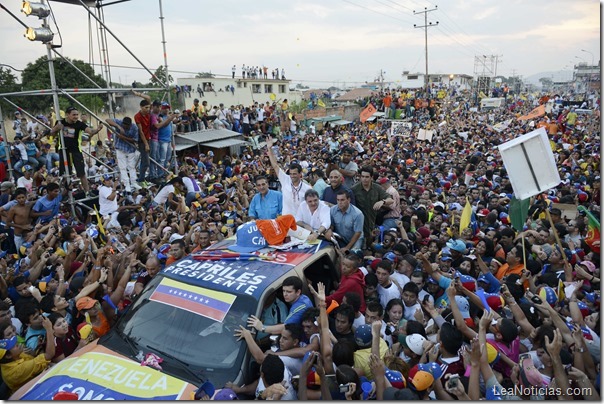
(145, 122)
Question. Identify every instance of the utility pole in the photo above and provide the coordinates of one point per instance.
(425, 27)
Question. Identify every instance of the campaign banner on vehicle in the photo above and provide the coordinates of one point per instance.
(99, 376)
(249, 277)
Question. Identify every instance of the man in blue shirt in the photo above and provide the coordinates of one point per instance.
(298, 302)
(165, 138)
(126, 141)
(47, 208)
(346, 220)
(266, 204)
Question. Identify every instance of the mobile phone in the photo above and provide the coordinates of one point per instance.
(536, 300)
(344, 388)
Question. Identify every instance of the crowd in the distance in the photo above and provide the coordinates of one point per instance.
(407, 319)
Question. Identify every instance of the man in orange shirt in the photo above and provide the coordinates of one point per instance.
(514, 263)
(177, 250)
(387, 103)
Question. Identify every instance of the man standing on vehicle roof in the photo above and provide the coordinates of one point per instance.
(299, 303)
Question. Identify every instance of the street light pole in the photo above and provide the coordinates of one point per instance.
(590, 67)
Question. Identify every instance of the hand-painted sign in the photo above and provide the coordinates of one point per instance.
(204, 302)
(98, 376)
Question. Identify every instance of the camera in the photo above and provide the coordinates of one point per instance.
(344, 388)
(333, 158)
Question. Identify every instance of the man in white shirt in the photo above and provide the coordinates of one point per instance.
(26, 181)
(292, 186)
(223, 116)
(108, 196)
(387, 290)
(313, 214)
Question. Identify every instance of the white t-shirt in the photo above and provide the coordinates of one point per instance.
(106, 207)
(28, 184)
(291, 198)
(387, 294)
(287, 377)
(162, 195)
(402, 279)
(409, 312)
(22, 151)
(320, 217)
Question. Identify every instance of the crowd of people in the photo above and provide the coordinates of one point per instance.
(424, 308)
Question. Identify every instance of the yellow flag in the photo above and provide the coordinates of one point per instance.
(321, 103)
(273, 96)
(466, 216)
(100, 220)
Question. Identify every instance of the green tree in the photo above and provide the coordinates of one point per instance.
(159, 79)
(36, 76)
(8, 84)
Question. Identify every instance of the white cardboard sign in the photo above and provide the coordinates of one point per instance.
(530, 164)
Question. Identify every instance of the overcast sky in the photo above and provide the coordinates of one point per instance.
(322, 43)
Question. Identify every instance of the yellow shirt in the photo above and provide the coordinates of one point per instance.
(361, 358)
(16, 373)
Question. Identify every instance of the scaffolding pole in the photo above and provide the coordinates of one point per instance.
(163, 41)
(75, 91)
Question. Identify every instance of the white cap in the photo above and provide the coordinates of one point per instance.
(415, 342)
(175, 237)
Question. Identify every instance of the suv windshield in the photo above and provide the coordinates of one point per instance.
(206, 345)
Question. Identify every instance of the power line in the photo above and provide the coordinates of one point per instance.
(372, 10)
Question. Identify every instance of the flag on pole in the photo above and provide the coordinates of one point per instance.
(593, 230)
(367, 112)
(100, 221)
(321, 103)
(466, 216)
(519, 212)
(535, 113)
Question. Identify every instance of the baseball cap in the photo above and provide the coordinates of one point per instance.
(467, 282)
(107, 177)
(464, 306)
(165, 105)
(248, 239)
(7, 345)
(6, 185)
(457, 245)
(483, 212)
(390, 256)
(587, 264)
(433, 368)
(27, 167)
(420, 380)
(494, 300)
(414, 342)
(85, 303)
(225, 395)
(383, 180)
(362, 336)
(175, 237)
(395, 378)
(529, 375)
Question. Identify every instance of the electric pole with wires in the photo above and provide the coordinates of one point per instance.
(425, 27)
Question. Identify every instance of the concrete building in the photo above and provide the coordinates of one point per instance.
(236, 91)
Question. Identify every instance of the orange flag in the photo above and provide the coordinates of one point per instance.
(367, 112)
(537, 112)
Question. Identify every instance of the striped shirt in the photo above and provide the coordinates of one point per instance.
(132, 133)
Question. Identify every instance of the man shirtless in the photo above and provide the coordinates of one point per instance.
(18, 217)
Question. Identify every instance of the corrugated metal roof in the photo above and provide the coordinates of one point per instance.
(219, 144)
(181, 144)
(209, 135)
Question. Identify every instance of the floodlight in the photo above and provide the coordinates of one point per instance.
(42, 34)
(39, 10)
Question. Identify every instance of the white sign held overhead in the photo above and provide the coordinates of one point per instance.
(530, 164)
